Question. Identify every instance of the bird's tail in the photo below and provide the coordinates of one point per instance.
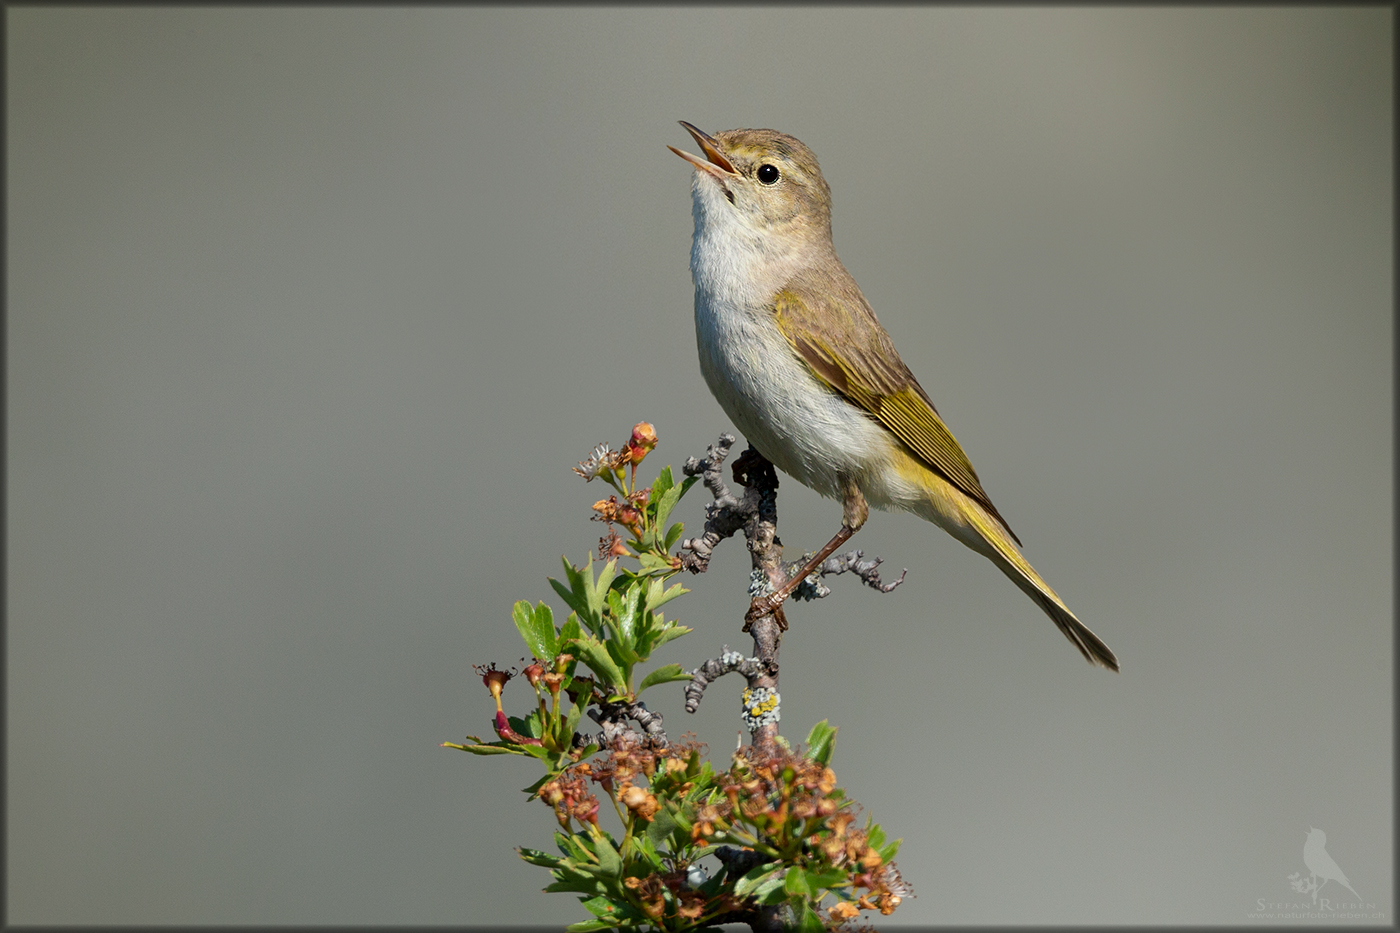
(1003, 553)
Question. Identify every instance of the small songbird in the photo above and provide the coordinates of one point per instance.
(794, 355)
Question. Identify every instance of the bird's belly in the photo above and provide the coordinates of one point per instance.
(805, 428)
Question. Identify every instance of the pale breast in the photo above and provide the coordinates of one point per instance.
(807, 430)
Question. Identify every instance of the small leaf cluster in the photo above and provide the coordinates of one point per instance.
(785, 826)
(786, 808)
(615, 625)
(623, 622)
(781, 830)
(616, 620)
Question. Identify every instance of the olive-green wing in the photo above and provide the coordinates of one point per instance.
(832, 327)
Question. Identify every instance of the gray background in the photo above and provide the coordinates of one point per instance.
(310, 311)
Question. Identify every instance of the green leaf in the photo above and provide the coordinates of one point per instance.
(600, 907)
(673, 534)
(664, 675)
(492, 749)
(536, 857)
(626, 658)
(581, 883)
(521, 726)
(666, 503)
(807, 919)
(756, 877)
(682, 821)
(831, 878)
(625, 610)
(661, 826)
(570, 847)
(574, 595)
(795, 883)
(646, 846)
(537, 628)
(538, 751)
(534, 788)
(594, 654)
(874, 836)
(597, 589)
(544, 624)
(565, 736)
(771, 891)
(670, 631)
(609, 861)
(659, 595)
(587, 926)
(821, 742)
(569, 844)
(889, 851)
(653, 565)
(570, 629)
(664, 481)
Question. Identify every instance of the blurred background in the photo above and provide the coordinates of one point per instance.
(310, 311)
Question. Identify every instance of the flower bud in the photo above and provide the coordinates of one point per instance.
(642, 442)
(586, 810)
(495, 680)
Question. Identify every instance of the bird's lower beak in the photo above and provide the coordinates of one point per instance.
(718, 166)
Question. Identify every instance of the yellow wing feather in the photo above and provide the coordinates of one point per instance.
(835, 332)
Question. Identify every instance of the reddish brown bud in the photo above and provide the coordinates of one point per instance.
(644, 435)
(504, 730)
(494, 679)
(630, 519)
(586, 810)
(642, 442)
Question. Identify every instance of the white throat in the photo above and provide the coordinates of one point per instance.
(734, 262)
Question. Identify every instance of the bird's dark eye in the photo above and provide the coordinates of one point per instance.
(768, 174)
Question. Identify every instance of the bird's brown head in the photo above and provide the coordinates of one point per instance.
(767, 181)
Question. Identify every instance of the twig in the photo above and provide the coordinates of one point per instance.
(850, 562)
(613, 718)
(723, 517)
(756, 513)
(727, 663)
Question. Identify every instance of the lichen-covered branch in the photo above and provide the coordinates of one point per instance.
(776, 817)
(613, 718)
(723, 517)
(728, 662)
(755, 512)
(850, 562)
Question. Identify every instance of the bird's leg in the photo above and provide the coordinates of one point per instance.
(854, 512)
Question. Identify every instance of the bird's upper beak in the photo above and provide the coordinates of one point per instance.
(718, 166)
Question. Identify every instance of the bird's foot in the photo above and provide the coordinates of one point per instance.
(761, 606)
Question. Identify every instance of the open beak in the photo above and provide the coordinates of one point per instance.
(718, 166)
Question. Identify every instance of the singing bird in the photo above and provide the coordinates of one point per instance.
(796, 358)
